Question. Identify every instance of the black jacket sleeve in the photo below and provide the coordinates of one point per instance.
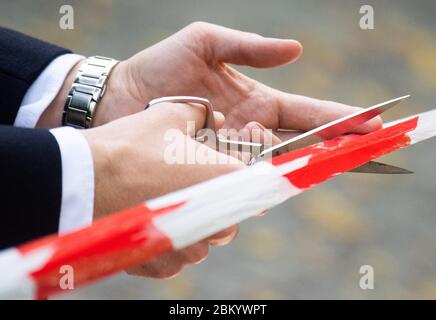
(30, 161)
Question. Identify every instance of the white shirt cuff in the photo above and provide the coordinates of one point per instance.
(45, 88)
(77, 179)
(77, 166)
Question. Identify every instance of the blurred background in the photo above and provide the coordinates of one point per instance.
(313, 245)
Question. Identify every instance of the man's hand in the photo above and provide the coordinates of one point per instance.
(129, 156)
(128, 153)
(194, 62)
(130, 167)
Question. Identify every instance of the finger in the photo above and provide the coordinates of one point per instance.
(219, 119)
(265, 137)
(243, 156)
(234, 150)
(304, 113)
(223, 237)
(171, 264)
(198, 162)
(244, 48)
(179, 115)
(242, 153)
(164, 267)
(251, 132)
(193, 254)
(258, 133)
(184, 116)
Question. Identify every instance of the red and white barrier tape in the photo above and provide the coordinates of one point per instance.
(184, 217)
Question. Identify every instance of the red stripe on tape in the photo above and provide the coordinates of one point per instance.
(345, 153)
(109, 245)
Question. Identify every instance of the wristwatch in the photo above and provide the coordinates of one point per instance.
(88, 87)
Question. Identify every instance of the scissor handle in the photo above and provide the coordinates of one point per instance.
(256, 148)
(210, 119)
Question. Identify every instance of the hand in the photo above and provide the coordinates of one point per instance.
(194, 62)
(130, 167)
(129, 156)
(191, 62)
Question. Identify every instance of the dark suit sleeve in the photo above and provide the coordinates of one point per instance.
(22, 59)
(30, 185)
(30, 161)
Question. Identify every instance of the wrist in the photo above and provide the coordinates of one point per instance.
(52, 115)
(120, 99)
(103, 157)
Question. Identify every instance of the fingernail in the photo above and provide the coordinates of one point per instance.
(218, 115)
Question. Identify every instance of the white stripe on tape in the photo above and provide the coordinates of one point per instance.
(426, 127)
(219, 203)
(15, 280)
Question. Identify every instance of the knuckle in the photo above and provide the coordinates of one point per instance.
(200, 31)
(175, 111)
(200, 36)
(179, 111)
(198, 26)
(253, 125)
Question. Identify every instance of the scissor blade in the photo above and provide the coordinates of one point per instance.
(379, 167)
(332, 129)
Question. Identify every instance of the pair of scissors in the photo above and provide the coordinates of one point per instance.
(325, 132)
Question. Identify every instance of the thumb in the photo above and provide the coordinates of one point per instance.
(178, 115)
(184, 116)
(243, 48)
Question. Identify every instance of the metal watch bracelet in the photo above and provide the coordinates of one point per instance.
(88, 88)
